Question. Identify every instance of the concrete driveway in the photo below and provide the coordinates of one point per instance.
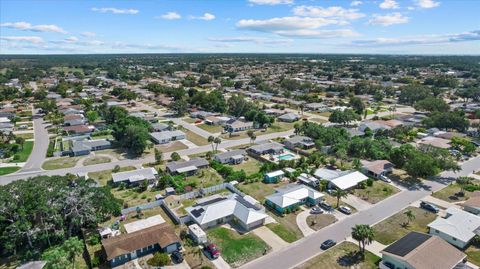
(356, 202)
(220, 263)
(271, 238)
(302, 223)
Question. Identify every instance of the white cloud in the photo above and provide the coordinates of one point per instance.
(308, 33)
(29, 39)
(35, 28)
(88, 34)
(389, 4)
(420, 40)
(426, 3)
(271, 2)
(247, 39)
(389, 19)
(329, 12)
(71, 39)
(356, 3)
(115, 10)
(170, 16)
(205, 17)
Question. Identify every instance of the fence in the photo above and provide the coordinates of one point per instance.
(203, 191)
(142, 207)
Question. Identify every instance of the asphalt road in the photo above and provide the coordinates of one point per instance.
(131, 162)
(308, 247)
(40, 146)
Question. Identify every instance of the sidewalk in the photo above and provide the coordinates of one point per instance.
(375, 247)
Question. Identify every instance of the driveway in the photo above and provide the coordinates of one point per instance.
(356, 202)
(271, 238)
(302, 223)
(220, 263)
(40, 146)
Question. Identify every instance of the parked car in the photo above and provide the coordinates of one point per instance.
(328, 244)
(213, 251)
(429, 207)
(177, 257)
(325, 206)
(385, 179)
(316, 210)
(345, 210)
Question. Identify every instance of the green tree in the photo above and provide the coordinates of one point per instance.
(56, 258)
(211, 140)
(73, 247)
(175, 156)
(432, 104)
(92, 116)
(410, 216)
(364, 234)
(179, 107)
(135, 139)
(217, 142)
(357, 104)
(462, 182)
(158, 156)
(20, 140)
(338, 193)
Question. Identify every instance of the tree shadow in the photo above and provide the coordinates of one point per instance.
(351, 258)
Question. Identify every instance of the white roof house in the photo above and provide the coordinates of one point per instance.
(343, 180)
(277, 173)
(293, 194)
(222, 208)
(458, 227)
(135, 175)
(143, 224)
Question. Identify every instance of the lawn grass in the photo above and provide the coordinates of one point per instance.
(288, 223)
(25, 135)
(205, 178)
(8, 170)
(189, 120)
(473, 253)
(24, 153)
(323, 114)
(237, 249)
(377, 192)
(340, 257)
(259, 190)
(284, 233)
(210, 128)
(102, 177)
(317, 120)
(59, 163)
(319, 221)
(96, 160)
(450, 192)
(194, 138)
(251, 166)
(333, 202)
(393, 228)
(172, 146)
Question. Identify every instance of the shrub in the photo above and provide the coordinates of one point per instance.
(472, 188)
(369, 182)
(159, 259)
(95, 262)
(206, 267)
(16, 157)
(94, 239)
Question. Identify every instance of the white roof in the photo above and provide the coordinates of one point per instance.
(292, 194)
(195, 229)
(135, 175)
(348, 181)
(143, 224)
(275, 173)
(458, 223)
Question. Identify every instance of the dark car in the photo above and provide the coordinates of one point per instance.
(328, 244)
(213, 251)
(326, 206)
(429, 207)
(177, 257)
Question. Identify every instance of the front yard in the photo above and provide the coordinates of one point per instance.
(194, 138)
(473, 253)
(394, 228)
(172, 146)
(59, 163)
(319, 221)
(377, 192)
(96, 160)
(8, 170)
(288, 235)
(24, 153)
(210, 128)
(345, 255)
(237, 249)
(451, 194)
(289, 230)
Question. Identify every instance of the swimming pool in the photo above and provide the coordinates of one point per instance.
(286, 157)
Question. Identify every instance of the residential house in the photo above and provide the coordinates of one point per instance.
(273, 177)
(84, 147)
(135, 177)
(289, 117)
(472, 205)
(316, 107)
(217, 210)
(303, 142)
(73, 119)
(216, 120)
(422, 251)
(167, 136)
(189, 167)
(343, 180)
(291, 196)
(374, 126)
(231, 157)
(126, 247)
(79, 129)
(434, 142)
(377, 168)
(200, 114)
(266, 148)
(238, 126)
(458, 227)
(161, 127)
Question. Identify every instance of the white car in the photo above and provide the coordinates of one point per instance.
(385, 179)
(345, 210)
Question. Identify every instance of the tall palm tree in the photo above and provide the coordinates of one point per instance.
(211, 140)
(410, 216)
(73, 247)
(217, 142)
(252, 136)
(338, 193)
(364, 234)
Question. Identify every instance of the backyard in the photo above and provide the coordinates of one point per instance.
(394, 228)
(259, 190)
(237, 249)
(251, 166)
(59, 163)
(377, 192)
(344, 255)
(205, 178)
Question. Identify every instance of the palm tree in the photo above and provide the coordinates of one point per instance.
(356, 164)
(364, 234)
(338, 193)
(73, 247)
(211, 140)
(302, 107)
(252, 136)
(462, 182)
(297, 128)
(410, 216)
(217, 142)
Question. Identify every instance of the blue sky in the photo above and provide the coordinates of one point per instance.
(284, 26)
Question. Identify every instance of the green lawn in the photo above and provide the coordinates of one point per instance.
(210, 128)
(288, 223)
(333, 202)
(251, 166)
(450, 194)
(8, 170)
(344, 255)
(259, 190)
(393, 228)
(96, 160)
(172, 146)
(377, 192)
(59, 163)
(25, 135)
(283, 232)
(194, 138)
(319, 221)
(189, 120)
(205, 178)
(473, 253)
(237, 249)
(23, 153)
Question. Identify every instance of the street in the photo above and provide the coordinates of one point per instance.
(40, 146)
